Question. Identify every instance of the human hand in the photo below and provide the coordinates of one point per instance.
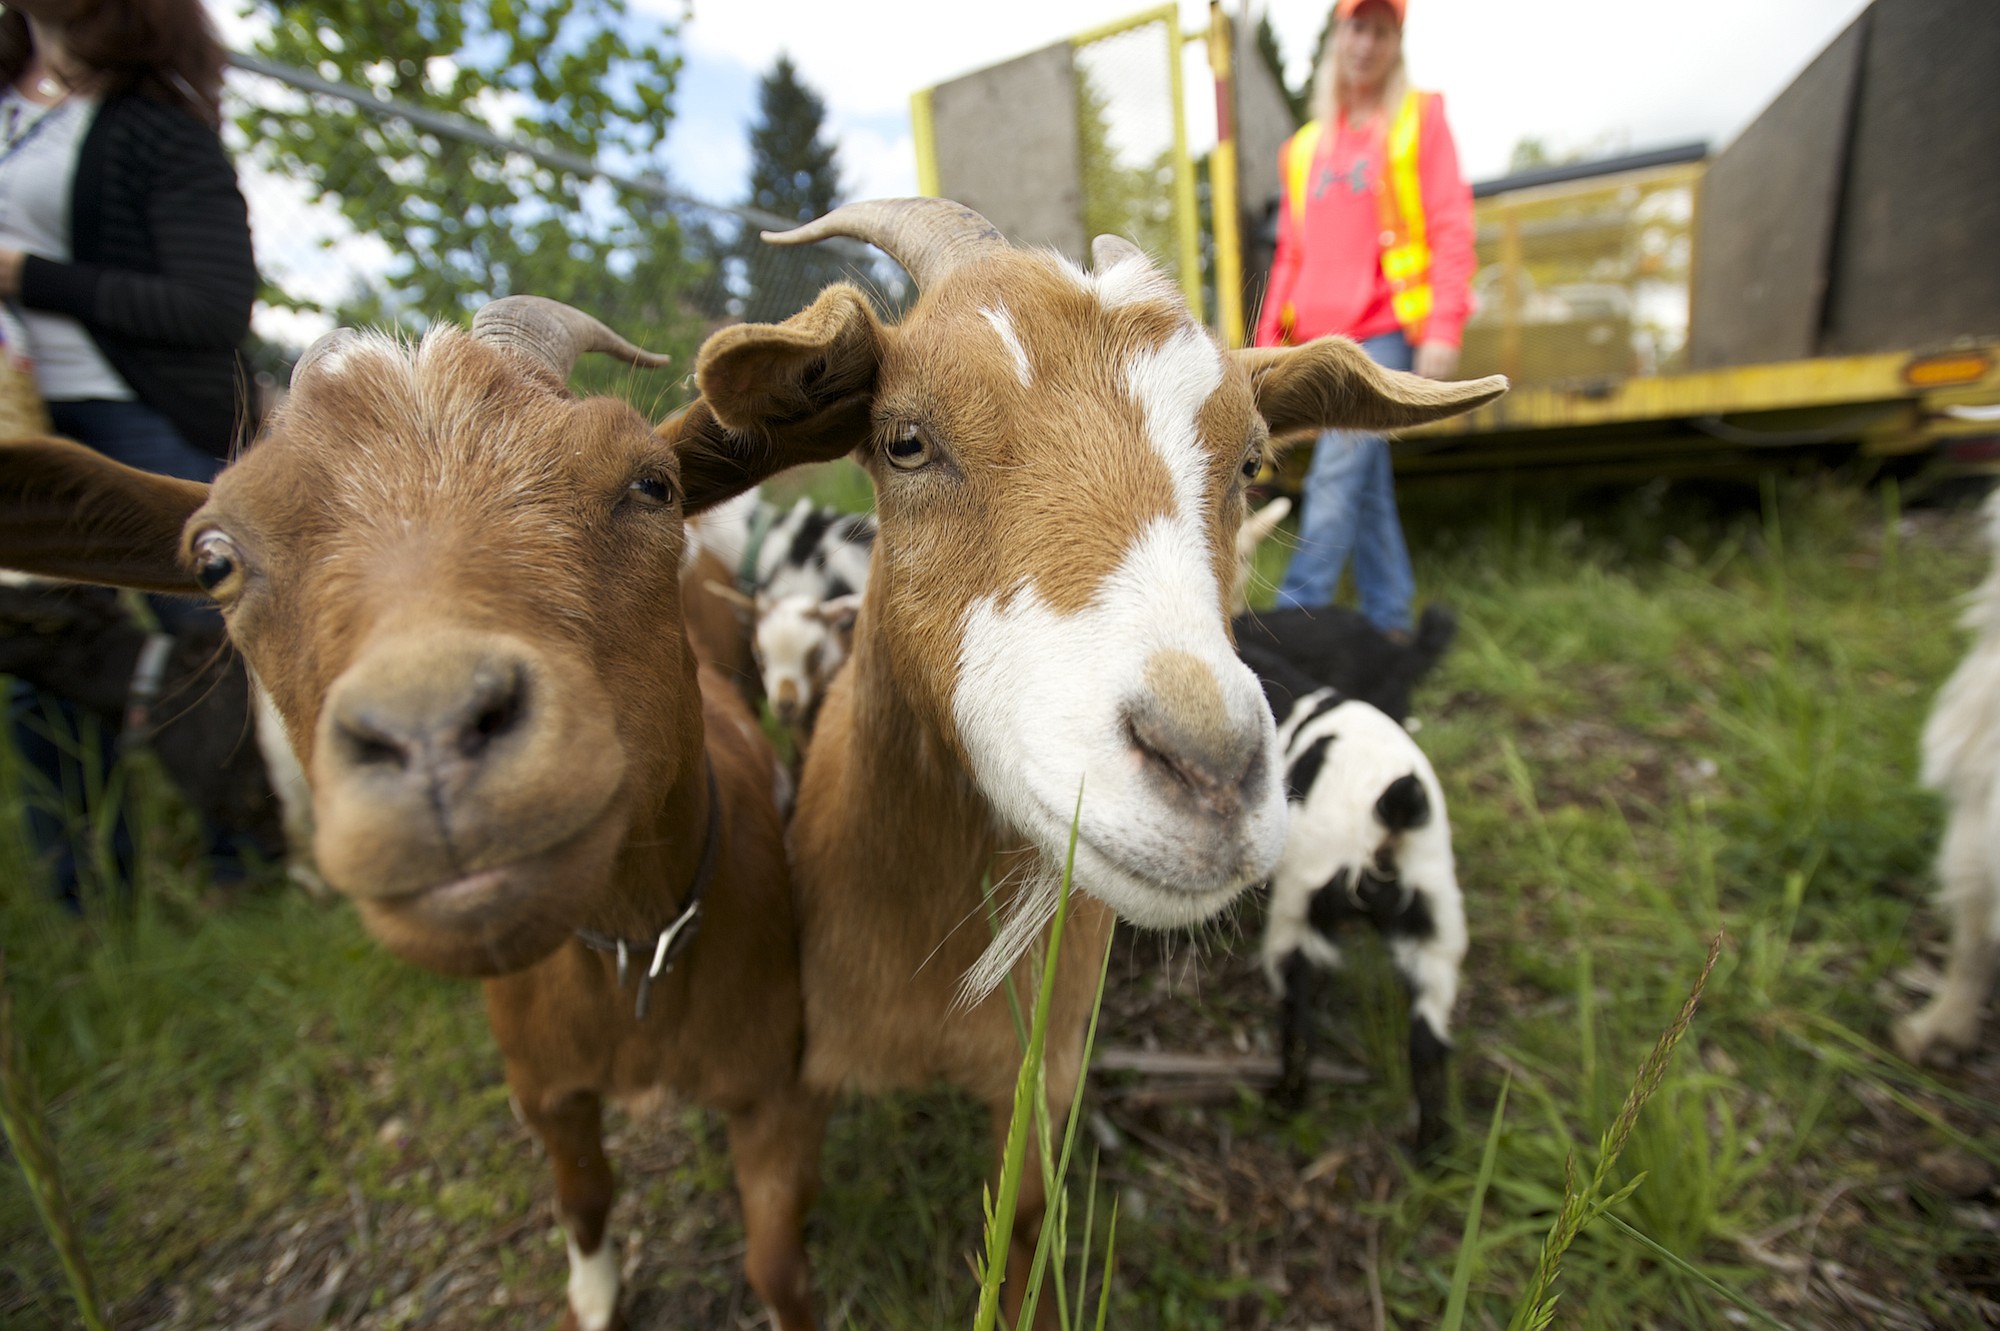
(10, 274)
(1435, 360)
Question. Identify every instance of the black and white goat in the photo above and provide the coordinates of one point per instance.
(813, 551)
(1368, 841)
(1961, 761)
(807, 576)
(1337, 648)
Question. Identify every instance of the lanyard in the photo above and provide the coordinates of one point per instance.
(17, 139)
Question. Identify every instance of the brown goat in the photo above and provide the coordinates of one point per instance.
(1059, 461)
(462, 588)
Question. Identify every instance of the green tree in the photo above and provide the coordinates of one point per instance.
(464, 223)
(1273, 56)
(794, 174)
(1134, 200)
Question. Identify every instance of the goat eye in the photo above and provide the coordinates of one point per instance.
(217, 563)
(656, 488)
(909, 449)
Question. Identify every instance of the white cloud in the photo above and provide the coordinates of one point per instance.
(874, 164)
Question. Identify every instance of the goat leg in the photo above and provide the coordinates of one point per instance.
(776, 1149)
(1427, 942)
(1298, 1031)
(1968, 895)
(572, 1131)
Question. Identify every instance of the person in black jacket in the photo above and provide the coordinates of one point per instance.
(125, 257)
(124, 241)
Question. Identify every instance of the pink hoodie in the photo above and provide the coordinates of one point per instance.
(1331, 274)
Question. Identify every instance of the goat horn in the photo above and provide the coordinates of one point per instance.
(327, 346)
(1107, 252)
(553, 333)
(930, 237)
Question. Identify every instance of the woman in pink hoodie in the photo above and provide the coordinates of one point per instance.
(1374, 243)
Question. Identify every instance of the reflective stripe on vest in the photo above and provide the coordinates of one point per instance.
(1405, 254)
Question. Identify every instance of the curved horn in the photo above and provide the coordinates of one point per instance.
(553, 333)
(326, 348)
(929, 237)
(1107, 252)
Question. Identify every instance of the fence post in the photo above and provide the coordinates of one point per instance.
(1223, 205)
(1189, 225)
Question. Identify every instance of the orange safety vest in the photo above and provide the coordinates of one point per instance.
(1406, 255)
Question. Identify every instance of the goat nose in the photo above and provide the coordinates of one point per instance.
(1184, 734)
(424, 717)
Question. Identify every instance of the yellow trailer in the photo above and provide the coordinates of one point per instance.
(1942, 407)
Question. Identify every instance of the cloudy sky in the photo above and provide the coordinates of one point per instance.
(1577, 73)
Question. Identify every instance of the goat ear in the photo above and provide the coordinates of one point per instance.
(1331, 384)
(67, 511)
(839, 616)
(777, 395)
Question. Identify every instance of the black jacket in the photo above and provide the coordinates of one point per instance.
(161, 272)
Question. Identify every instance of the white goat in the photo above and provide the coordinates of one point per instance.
(1961, 752)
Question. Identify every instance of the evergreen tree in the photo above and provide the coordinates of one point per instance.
(1274, 60)
(794, 173)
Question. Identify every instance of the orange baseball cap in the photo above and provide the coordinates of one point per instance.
(1344, 9)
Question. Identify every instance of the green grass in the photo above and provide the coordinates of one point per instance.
(1668, 715)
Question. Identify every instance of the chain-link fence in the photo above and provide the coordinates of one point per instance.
(346, 241)
(1083, 138)
(1135, 176)
(1586, 279)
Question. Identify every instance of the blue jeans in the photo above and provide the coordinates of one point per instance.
(1349, 507)
(134, 434)
(49, 732)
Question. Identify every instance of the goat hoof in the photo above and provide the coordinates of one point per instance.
(571, 1322)
(1935, 1036)
(1288, 1097)
(1433, 1140)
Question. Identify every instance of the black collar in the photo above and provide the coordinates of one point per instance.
(679, 935)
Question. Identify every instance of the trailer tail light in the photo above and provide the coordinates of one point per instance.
(1948, 370)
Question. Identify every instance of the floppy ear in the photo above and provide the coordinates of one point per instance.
(67, 511)
(839, 615)
(774, 396)
(1330, 384)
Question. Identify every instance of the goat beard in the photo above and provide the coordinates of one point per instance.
(1021, 920)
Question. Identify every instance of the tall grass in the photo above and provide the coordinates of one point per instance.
(26, 1128)
(1667, 716)
(1031, 1113)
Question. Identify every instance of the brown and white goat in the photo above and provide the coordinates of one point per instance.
(461, 587)
(1059, 459)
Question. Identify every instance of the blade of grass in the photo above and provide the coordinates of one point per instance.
(1110, 1265)
(1537, 1307)
(1680, 1264)
(1058, 1232)
(1000, 1216)
(1468, 1243)
(28, 1134)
